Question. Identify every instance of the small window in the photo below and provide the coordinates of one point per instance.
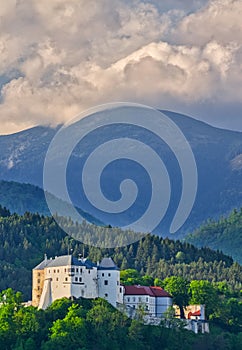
(102, 274)
(109, 274)
(38, 281)
(106, 282)
(80, 279)
(80, 270)
(54, 271)
(133, 298)
(128, 299)
(120, 290)
(106, 295)
(57, 279)
(89, 271)
(66, 279)
(77, 270)
(76, 279)
(38, 288)
(117, 283)
(38, 296)
(147, 299)
(65, 270)
(49, 270)
(58, 271)
(38, 274)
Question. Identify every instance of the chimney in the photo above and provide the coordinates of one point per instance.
(202, 311)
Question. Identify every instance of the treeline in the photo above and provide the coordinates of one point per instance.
(224, 234)
(25, 239)
(94, 324)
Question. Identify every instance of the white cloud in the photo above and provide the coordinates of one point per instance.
(61, 57)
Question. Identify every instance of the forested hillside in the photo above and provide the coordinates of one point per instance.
(224, 234)
(25, 239)
(95, 325)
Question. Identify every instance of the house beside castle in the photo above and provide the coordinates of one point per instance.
(154, 300)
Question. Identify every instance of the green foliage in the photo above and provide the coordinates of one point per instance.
(178, 287)
(95, 324)
(224, 234)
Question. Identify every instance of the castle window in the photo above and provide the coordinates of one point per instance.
(106, 282)
(128, 299)
(49, 270)
(147, 299)
(76, 279)
(57, 279)
(109, 274)
(66, 279)
(120, 290)
(80, 279)
(106, 295)
(38, 274)
(38, 288)
(38, 281)
(80, 270)
(102, 274)
(58, 271)
(77, 270)
(133, 298)
(65, 270)
(38, 296)
(54, 271)
(89, 271)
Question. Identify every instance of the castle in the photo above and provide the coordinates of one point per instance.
(70, 277)
(67, 276)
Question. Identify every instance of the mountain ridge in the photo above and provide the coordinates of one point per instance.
(217, 153)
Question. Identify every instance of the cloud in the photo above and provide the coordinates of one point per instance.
(61, 57)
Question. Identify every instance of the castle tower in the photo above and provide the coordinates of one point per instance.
(38, 277)
(109, 282)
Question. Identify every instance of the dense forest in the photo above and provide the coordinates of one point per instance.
(25, 239)
(224, 234)
(95, 325)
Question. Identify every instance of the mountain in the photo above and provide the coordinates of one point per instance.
(20, 198)
(218, 155)
(224, 234)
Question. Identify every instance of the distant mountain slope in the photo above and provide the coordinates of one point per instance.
(218, 155)
(21, 198)
(225, 235)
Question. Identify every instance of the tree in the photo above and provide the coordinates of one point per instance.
(70, 330)
(178, 287)
(203, 292)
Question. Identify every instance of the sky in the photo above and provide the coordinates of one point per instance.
(60, 57)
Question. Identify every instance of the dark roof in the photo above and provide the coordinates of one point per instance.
(144, 290)
(42, 265)
(107, 264)
(65, 260)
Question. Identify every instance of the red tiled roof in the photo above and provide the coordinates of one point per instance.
(144, 290)
(196, 313)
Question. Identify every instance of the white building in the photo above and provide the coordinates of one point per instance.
(154, 300)
(67, 276)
